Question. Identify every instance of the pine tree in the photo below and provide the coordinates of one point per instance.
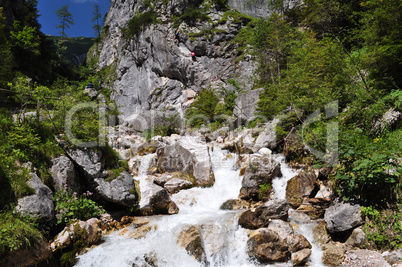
(66, 19)
(97, 15)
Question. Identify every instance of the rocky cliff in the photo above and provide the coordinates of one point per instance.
(149, 71)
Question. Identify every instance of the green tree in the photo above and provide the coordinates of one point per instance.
(66, 19)
(204, 108)
(5, 54)
(97, 16)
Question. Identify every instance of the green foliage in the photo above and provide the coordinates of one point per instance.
(191, 15)
(140, 21)
(368, 170)
(97, 16)
(383, 228)
(25, 38)
(16, 234)
(70, 206)
(204, 108)
(264, 191)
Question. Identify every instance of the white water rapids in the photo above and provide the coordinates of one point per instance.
(225, 242)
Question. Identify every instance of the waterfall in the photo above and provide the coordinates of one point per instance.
(225, 242)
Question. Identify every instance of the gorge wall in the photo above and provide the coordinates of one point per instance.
(151, 72)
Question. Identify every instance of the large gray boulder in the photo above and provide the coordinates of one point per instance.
(259, 171)
(188, 155)
(40, 205)
(245, 105)
(63, 174)
(90, 160)
(119, 191)
(341, 217)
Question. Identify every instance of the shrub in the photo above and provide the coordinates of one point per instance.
(70, 206)
(264, 191)
(16, 234)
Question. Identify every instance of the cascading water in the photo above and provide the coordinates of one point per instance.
(225, 242)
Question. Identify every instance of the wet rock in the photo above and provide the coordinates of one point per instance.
(259, 171)
(300, 257)
(341, 217)
(333, 254)
(190, 239)
(282, 228)
(40, 205)
(235, 204)
(297, 242)
(119, 191)
(298, 217)
(175, 185)
(320, 233)
(87, 232)
(156, 200)
(63, 173)
(266, 246)
(40, 255)
(140, 232)
(299, 187)
(357, 238)
(161, 180)
(263, 214)
(188, 155)
(363, 257)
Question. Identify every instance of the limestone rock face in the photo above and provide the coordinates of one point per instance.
(341, 217)
(266, 246)
(152, 72)
(191, 240)
(63, 173)
(259, 171)
(40, 205)
(90, 160)
(245, 105)
(119, 191)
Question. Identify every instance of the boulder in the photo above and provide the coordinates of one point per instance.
(297, 242)
(263, 214)
(176, 184)
(357, 238)
(120, 191)
(282, 228)
(333, 254)
(40, 205)
(394, 258)
(299, 187)
(300, 257)
(161, 180)
(363, 257)
(267, 137)
(320, 233)
(259, 171)
(155, 200)
(63, 174)
(86, 232)
(190, 239)
(341, 217)
(188, 155)
(266, 246)
(90, 160)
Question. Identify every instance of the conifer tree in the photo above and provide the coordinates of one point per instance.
(66, 19)
(97, 15)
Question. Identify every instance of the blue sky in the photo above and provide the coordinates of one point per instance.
(82, 16)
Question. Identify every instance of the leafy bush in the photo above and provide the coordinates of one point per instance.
(16, 234)
(383, 228)
(70, 206)
(264, 191)
(203, 110)
(191, 15)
